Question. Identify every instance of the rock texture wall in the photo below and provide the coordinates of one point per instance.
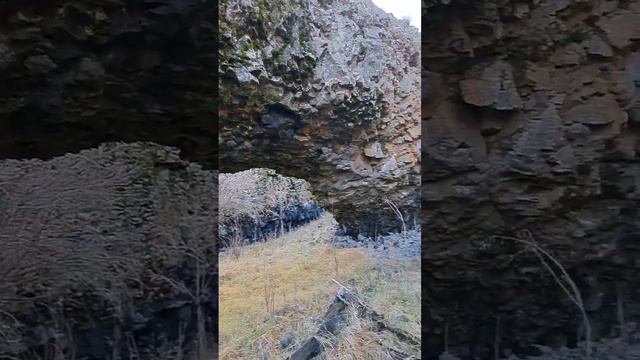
(85, 72)
(327, 91)
(531, 121)
(85, 231)
(107, 254)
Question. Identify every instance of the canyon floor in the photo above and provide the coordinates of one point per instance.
(274, 293)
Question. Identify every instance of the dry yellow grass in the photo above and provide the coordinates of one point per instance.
(395, 294)
(296, 270)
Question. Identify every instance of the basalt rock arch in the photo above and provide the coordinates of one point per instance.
(322, 90)
(327, 91)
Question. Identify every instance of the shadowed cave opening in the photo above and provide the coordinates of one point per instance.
(347, 179)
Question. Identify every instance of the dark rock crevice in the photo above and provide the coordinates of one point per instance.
(264, 228)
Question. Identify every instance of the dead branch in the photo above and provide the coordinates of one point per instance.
(570, 288)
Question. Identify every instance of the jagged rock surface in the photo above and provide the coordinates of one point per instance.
(327, 91)
(530, 122)
(74, 74)
(107, 254)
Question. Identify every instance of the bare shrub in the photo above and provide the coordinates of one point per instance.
(238, 196)
(236, 241)
(398, 214)
(335, 264)
(496, 340)
(270, 296)
(201, 261)
(561, 277)
(620, 313)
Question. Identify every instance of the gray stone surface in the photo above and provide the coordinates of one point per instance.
(287, 340)
(527, 126)
(79, 73)
(93, 245)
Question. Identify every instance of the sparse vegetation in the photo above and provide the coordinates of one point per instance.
(301, 266)
(398, 214)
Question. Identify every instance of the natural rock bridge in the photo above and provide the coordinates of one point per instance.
(325, 92)
(328, 92)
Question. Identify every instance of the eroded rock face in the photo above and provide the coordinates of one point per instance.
(74, 74)
(327, 91)
(107, 254)
(530, 120)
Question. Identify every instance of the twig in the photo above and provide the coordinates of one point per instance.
(572, 291)
(342, 286)
(398, 214)
(621, 321)
(496, 341)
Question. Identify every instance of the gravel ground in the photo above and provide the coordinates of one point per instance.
(396, 246)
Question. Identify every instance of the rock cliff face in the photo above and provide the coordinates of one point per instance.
(75, 74)
(327, 91)
(531, 122)
(107, 254)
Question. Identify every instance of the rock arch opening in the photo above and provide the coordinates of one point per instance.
(259, 204)
(328, 95)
